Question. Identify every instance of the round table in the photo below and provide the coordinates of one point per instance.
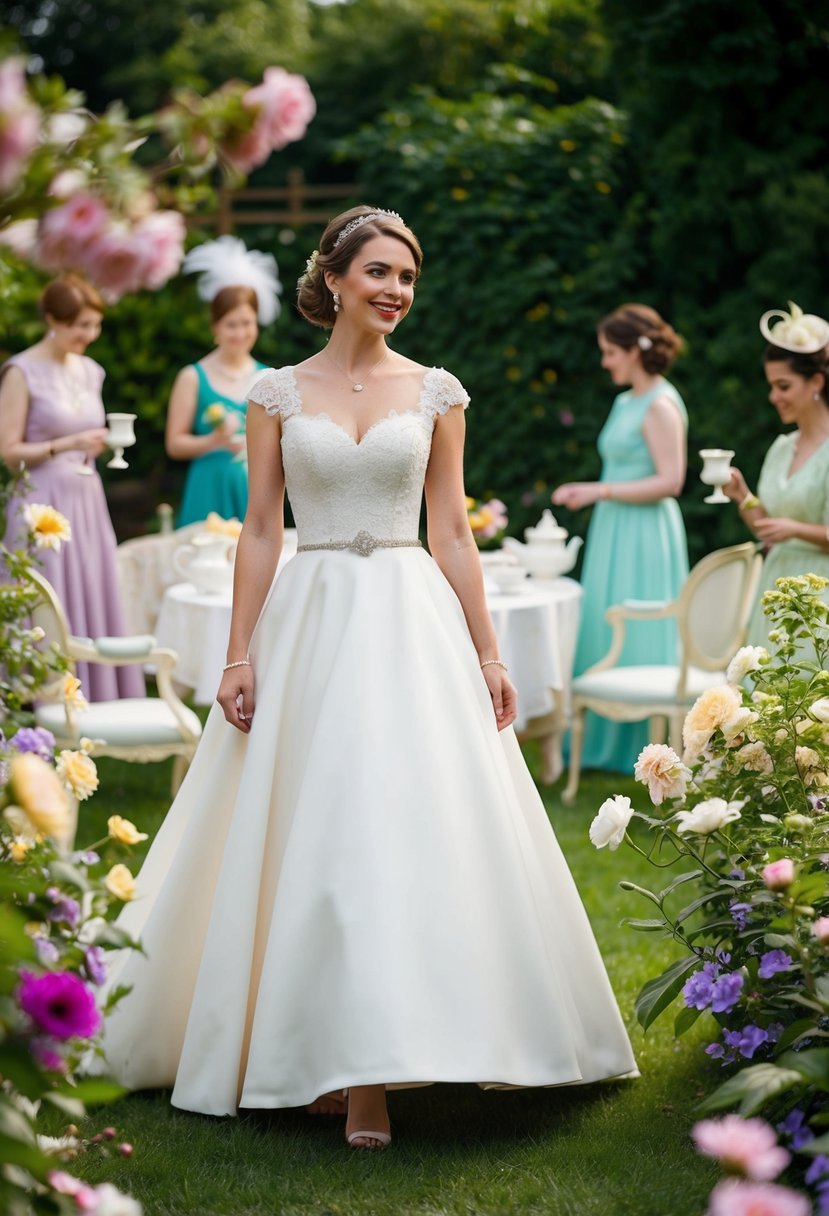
(536, 626)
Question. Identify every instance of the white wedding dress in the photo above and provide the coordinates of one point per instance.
(366, 887)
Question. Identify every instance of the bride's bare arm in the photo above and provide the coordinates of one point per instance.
(257, 555)
(452, 546)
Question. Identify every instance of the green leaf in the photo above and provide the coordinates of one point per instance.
(819, 1145)
(646, 926)
(695, 906)
(63, 872)
(687, 877)
(658, 993)
(72, 1107)
(752, 1088)
(684, 1020)
(803, 1026)
(813, 1065)
(96, 1090)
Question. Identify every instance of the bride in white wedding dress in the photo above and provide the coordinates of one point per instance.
(357, 887)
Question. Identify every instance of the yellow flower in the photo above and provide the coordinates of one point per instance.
(567, 145)
(471, 503)
(79, 773)
(549, 375)
(71, 692)
(459, 194)
(120, 883)
(513, 373)
(714, 710)
(47, 526)
(124, 831)
(19, 847)
(39, 793)
(604, 187)
(215, 414)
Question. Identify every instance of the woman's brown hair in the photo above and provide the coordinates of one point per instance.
(229, 298)
(65, 298)
(314, 298)
(640, 326)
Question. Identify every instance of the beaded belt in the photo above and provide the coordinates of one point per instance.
(363, 543)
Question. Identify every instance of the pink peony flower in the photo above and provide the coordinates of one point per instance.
(735, 1198)
(778, 875)
(662, 771)
(117, 261)
(162, 234)
(743, 1146)
(19, 123)
(286, 105)
(65, 232)
(247, 151)
(59, 1003)
(821, 930)
(20, 237)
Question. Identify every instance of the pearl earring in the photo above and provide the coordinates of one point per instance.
(336, 295)
(816, 396)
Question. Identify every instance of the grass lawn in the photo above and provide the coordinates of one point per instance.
(616, 1149)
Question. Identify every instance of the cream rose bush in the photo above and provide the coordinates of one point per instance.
(742, 817)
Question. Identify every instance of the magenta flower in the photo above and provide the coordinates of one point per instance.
(44, 1052)
(59, 1003)
(743, 1146)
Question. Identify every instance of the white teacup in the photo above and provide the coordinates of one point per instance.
(508, 576)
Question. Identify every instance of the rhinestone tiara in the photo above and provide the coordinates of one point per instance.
(353, 225)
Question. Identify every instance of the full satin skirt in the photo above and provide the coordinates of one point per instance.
(366, 888)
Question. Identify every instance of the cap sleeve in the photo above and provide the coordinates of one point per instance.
(276, 391)
(442, 391)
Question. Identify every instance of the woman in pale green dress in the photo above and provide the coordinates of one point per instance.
(790, 511)
(636, 546)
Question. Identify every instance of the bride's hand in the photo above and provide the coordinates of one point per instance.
(504, 696)
(237, 698)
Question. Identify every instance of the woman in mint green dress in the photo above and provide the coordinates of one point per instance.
(790, 512)
(636, 545)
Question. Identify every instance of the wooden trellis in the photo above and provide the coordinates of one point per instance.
(290, 206)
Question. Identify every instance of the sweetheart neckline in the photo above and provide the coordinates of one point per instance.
(392, 416)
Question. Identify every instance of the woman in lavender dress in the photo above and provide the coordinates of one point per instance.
(52, 420)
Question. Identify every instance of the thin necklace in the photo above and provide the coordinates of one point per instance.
(358, 385)
(229, 376)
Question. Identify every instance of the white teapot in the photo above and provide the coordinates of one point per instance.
(206, 561)
(545, 554)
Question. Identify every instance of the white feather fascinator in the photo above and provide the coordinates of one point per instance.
(227, 262)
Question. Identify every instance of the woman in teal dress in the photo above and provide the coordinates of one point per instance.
(208, 404)
(790, 511)
(636, 545)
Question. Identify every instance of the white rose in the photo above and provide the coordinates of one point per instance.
(739, 724)
(820, 709)
(747, 658)
(111, 1202)
(708, 816)
(609, 826)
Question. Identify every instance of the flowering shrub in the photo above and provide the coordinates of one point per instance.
(745, 811)
(487, 520)
(54, 909)
(76, 198)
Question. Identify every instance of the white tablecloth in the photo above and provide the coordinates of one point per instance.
(536, 627)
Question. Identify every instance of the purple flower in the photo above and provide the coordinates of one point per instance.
(746, 1041)
(740, 914)
(59, 1003)
(772, 962)
(698, 990)
(819, 1167)
(726, 992)
(715, 1050)
(94, 964)
(775, 1030)
(65, 909)
(566, 417)
(47, 952)
(34, 739)
(737, 874)
(792, 1126)
(87, 858)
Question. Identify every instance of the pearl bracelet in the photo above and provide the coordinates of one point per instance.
(493, 662)
(239, 663)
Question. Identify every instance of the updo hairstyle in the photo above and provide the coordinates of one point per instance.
(816, 364)
(65, 298)
(228, 298)
(637, 325)
(314, 299)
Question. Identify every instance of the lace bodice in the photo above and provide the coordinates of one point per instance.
(339, 488)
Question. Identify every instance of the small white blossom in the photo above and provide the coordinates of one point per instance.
(610, 824)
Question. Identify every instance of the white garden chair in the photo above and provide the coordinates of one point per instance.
(711, 613)
(139, 729)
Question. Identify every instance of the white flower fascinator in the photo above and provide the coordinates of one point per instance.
(227, 262)
(795, 331)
